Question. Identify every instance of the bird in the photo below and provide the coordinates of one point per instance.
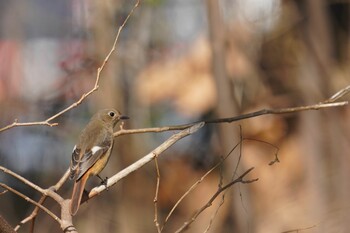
(92, 152)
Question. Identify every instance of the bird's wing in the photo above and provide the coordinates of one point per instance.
(80, 164)
(89, 149)
(74, 163)
(90, 158)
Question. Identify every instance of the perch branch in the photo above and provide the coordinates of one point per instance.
(146, 159)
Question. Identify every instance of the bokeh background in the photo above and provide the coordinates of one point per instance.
(179, 61)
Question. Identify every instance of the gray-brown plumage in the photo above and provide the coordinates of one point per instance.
(91, 153)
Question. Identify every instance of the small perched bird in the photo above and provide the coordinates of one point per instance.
(91, 153)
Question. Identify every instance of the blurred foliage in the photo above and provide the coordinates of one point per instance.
(275, 54)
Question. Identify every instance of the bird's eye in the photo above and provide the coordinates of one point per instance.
(111, 114)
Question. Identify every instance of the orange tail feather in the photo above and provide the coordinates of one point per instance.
(77, 194)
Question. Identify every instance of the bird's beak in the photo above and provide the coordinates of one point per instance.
(123, 117)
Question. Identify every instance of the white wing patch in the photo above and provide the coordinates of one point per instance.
(95, 149)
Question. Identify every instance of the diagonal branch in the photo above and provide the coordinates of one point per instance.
(35, 212)
(52, 215)
(240, 179)
(144, 160)
(85, 95)
(46, 192)
(198, 182)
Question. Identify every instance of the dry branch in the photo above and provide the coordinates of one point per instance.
(240, 179)
(155, 200)
(31, 201)
(328, 103)
(221, 178)
(85, 95)
(66, 218)
(33, 215)
(144, 160)
(46, 192)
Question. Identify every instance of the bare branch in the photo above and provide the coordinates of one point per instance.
(188, 192)
(215, 195)
(215, 213)
(66, 223)
(46, 192)
(338, 95)
(198, 182)
(99, 70)
(299, 229)
(57, 219)
(85, 95)
(239, 155)
(3, 192)
(67, 218)
(24, 180)
(16, 124)
(155, 200)
(146, 159)
(278, 111)
(329, 103)
(276, 159)
(33, 215)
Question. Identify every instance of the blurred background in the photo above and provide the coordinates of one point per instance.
(179, 61)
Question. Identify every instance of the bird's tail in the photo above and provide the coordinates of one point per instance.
(77, 194)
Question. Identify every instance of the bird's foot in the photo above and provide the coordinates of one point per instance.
(104, 181)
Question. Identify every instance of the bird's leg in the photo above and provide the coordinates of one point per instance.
(103, 181)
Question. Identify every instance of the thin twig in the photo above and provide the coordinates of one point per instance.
(99, 70)
(325, 104)
(16, 124)
(299, 229)
(221, 181)
(52, 190)
(46, 192)
(57, 219)
(215, 213)
(155, 200)
(338, 95)
(34, 213)
(3, 192)
(240, 152)
(63, 179)
(22, 179)
(194, 186)
(187, 193)
(276, 159)
(215, 195)
(85, 95)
